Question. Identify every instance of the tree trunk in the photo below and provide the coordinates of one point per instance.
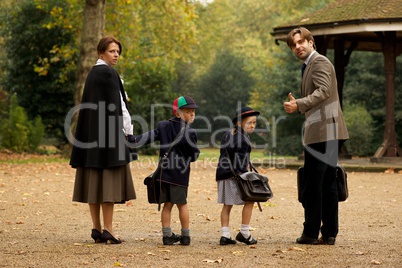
(94, 26)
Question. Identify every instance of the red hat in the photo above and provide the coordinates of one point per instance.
(184, 102)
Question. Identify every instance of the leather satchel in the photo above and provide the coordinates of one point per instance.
(153, 191)
(253, 186)
(341, 181)
(153, 184)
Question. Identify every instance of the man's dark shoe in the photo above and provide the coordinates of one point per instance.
(248, 241)
(326, 240)
(303, 239)
(226, 241)
(185, 240)
(170, 240)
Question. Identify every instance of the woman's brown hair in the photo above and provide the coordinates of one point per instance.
(105, 42)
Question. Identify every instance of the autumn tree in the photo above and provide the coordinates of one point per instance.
(155, 35)
(35, 69)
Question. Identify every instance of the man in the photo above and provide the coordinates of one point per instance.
(323, 134)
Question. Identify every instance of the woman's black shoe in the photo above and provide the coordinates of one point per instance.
(96, 236)
(226, 241)
(108, 237)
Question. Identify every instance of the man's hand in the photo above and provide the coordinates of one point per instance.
(291, 105)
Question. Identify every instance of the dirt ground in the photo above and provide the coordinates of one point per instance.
(41, 227)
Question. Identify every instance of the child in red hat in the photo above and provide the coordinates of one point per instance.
(175, 172)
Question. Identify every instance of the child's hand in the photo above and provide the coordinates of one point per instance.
(131, 138)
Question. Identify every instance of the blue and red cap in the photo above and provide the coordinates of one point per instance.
(184, 102)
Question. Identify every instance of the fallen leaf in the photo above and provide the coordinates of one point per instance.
(120, 210)
(212, 261)
(280, 251)
(296, 249)
(359, 253)
(375, 262)
(390, 171)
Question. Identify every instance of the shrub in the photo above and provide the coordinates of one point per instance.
(18, 133)
(360, 127)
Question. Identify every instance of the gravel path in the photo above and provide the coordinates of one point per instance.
(41, 227)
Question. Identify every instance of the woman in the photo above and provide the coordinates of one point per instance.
(235, 146)
(100, 154)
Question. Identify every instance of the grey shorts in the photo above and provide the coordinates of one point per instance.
(174, 193)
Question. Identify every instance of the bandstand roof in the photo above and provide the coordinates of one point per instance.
(363, 21)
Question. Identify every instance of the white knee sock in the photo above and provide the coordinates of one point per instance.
(245, 230)
(225, 232)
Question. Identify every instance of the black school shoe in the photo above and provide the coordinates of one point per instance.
(170, 240)
(226, 241)
(248, 241)
(185, 240)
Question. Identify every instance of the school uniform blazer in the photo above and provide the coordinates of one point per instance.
(237, 145)
(176, 170)
(320, 103)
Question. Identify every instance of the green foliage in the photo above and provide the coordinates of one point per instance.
(365, 84)
(287, 145)
(37, 68)
(361, 130)
(155, 35)
(18, 133)
(36, 131)
(222, 90)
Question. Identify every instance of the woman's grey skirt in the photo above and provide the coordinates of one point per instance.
(97, 186)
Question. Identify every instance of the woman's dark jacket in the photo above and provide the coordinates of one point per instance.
(99, 137)
(236, 144)
(177, 168)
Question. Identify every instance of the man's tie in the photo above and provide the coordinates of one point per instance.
(303, 68)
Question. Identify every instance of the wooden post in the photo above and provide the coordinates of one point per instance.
(389, 147)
